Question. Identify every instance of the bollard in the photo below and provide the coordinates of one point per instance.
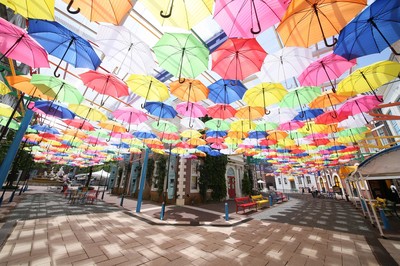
(385, 220)
(122, 200)
(162, 211)
(102, 195)
(226, 211)
(11, 197)
(270, 201)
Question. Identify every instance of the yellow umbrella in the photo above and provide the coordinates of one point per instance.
(243, 125)
(264, 94)
(22, 83)
(196, 141)
(148, 87)
(179, 151)
(38, 9)
(6, 110)
(3, 88)
(87, 112)
(190, 133)
(311, 127)
(369, 78)
(179, 13)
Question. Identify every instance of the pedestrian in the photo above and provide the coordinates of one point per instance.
(302, 190)
(395, 194)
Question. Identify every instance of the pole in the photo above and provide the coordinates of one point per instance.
(142, 180)
(226, 211)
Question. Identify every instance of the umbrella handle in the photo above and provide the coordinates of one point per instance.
(170, 11)
(258, 21)
(334, 115)
(71, 2)
(322, 30)
(181, 80)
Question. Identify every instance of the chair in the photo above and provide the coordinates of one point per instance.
(91, 196)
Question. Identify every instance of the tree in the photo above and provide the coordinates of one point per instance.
(212, 175)
(246, 184)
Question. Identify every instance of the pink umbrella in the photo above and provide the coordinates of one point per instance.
(130, 115)
(325, 69)
(360, 104)
(248, 17)
(15, 43)
(191, 110)
(238, 58)
(291, 125)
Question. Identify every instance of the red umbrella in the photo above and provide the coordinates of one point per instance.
(222, 111)
(238, 58)
(330, 117)
(105, 84)
(15, 43)
(79, 123)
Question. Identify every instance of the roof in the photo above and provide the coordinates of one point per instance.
(385, 163)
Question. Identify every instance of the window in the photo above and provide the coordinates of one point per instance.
(336, 179)
(285, 180)
(279, 181)
(308, 179)
(156, 172)
(194, 176)
(299, 180)
(381, 133)
(395, 125)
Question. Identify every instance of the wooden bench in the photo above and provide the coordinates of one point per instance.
(244, 202)
(260, 200)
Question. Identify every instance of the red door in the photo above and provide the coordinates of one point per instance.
(231, 187)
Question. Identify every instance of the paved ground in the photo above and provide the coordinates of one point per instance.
(43, 229)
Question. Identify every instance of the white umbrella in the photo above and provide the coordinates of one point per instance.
(285, 63)
(192, 123)
(124, 50)
(355, 121)
(280, 115)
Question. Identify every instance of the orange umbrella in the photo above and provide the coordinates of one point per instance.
(23, 84)
(328, 99)
(250, 113)
(191, 90)
(276, 135)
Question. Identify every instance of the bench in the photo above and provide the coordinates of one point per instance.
(280, 197)
(260, 200)
(244, 202)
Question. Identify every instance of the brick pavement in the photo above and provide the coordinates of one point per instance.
(110, 235)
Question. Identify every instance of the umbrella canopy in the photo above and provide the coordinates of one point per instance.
(112, 126)
(243, 125)
(64, 44)
(325, 69)
(181, 54)
(164, 126)
(124, 50)
(191, 90)
(247, 18)
(24, 85)
(327, 99)
(264, 94)
(222, 111)
(300, 96)
(13, 124)
(238, 58)
(250, 113)
(194, 123)
(87, 112)
(190, 133)
(111, 11)
(63, 91)
(130, 115)
(160, 109)
(45, 129)
(6, 110)
(226, 91)
(191, 109)
(15, 43)
(53, 109)
(378, 26)
(4, 88)
(308, 22)
(79, 124)
(360, 104)
(179, 13)
(217, 124)
(369, 78)
(148, 87)
(285, 63)
(40, 9)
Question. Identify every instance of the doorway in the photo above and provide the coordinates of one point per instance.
(231, 187)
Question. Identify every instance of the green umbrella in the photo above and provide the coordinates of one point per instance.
(217, 124)
(299, 97)
(264, 126)
(352, 131)
(164, 126)
(98, 133)
(181, 54)
(13, 124)
(63, 91)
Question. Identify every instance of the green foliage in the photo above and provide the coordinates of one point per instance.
(150, 171)
(246, 184)
(212, 176)
(162, 173)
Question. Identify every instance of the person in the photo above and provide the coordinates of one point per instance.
(395, 194)
(302, 190)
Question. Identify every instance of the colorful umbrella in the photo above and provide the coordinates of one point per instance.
(308, 22)
(40, 9)
(124, 50)
(191, 90)
(327, 99)
(64, 44)
(15, 43)
(148, 87)
(130, 115)
(79, 123)
(250, 113)
(160, 109)
(373, 30)
(111, 11)
(194, 123)
(369, 78)
(308, 114)
(24, 85)
(53, 109)
(266, 125)
(164, 126)
(179, 13)
(191, 109)
(222, 111)
(325, 69)
(190, 133)
(299, 97)
(181, 54)
(4, 88)
(285, 63)
(246, 18)
(360, 104)
(217, 124)
(61, 90)
(87, 112)
(243, 125)
(238, 58)
(45, 129)
(264, 94)
(226, 91)
(12, 125)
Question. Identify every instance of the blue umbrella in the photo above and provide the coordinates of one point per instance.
(45, 128)
(216, 133)
(64, 44)
(160, 109)
(54, 109)
(373, 30)
(257, 134)
(214, 153)
(337, 148)
(308, 114)
(204, 148)
(144, 135)
(226, 91)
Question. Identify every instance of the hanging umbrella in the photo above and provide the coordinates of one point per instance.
(247, 18)
(181, 54)
(130, 115)
(112, 126)
(222, 111)
(194, 123)
(7, 111)
(111, 11)
(148, 87)
(238, 58)
(369, 78)
(250, 113)
(264, 94)
(64, 44)
(164, 126)
(190, 133)
(12, 125)
(378, 26)
(79, 123)
(217, 124)
(196, 142)
(191, 90)
(105, 84)
(15, 43)
(87, 112)
(243, 125)
(299, 97)
(285, 63)
(40, 9)
(4, 88)
(327, 99)
(226, 91)
(61, 90)
(45, 129)
(22, 83)
(160, 109)
(216, 134)
(125, 50)
(266, 125)
(291, 125)
(325, 69)
(308, 114)
(179, 13)
(237, 134)
(191, 110)
(308, 22)
(330, 117)
(360, 104)
(277, 135)
(52, 109)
